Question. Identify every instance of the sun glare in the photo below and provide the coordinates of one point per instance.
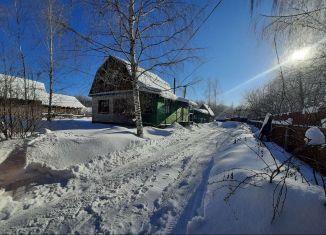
(300, 54)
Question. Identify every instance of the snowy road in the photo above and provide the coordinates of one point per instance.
(103, 179)
(143, 189)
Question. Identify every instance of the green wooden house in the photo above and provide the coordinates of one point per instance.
(203, 114)
(112, 100)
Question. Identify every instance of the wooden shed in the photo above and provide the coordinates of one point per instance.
(112, 100)
(203, 114)
(19, 90)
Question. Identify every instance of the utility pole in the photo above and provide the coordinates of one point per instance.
(184, 91)
(174, 85)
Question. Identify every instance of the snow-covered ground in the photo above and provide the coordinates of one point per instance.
(250, 208)
(103, 179)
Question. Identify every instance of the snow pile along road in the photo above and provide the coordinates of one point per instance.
(249, 209)
(168, 183)
(73, 142)
(143, 188)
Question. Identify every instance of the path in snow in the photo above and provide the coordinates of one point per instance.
(15, 175)
(143, 189)
(12, 166)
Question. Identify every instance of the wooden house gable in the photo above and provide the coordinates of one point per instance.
(113, 75)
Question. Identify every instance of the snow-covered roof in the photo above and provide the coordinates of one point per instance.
(35, 91)
(204, 111)
(210, 111)
(14, 88)
(193, 103)
(151, 82)
(181, 99)
(66, 101)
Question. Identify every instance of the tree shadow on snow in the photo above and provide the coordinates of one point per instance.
(159, 132)
(14, 175)
(76, 124)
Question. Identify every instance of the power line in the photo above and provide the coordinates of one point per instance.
(193, 34)
(202, 23)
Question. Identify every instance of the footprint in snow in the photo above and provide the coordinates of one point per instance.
(140, 206)
(144, 189)
(153, 178)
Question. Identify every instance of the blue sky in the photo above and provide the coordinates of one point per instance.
(233, 54)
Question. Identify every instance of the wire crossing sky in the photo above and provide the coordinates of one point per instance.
(232, 55)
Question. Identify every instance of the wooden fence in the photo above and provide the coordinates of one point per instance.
(291, 138)
(304, 119)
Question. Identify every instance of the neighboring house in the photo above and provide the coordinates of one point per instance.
(202, 114)
(18, 98)
(25, 92)
(64, 104)
(210, 111)
(112, 100)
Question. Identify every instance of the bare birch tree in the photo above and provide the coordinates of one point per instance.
(17, 100)
(296, 24)
(150, 33)
(51, 32)
(14, 23)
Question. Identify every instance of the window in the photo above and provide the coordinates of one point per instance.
(103, 106)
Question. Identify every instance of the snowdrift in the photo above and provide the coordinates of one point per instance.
(250, 208)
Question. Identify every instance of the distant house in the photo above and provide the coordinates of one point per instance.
(65, 104)
(25, 92)
(16, 101)
(112, 100)
(202, 114)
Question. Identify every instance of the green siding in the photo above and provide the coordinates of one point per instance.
(161, 115)
(179, 112)
(150, 118)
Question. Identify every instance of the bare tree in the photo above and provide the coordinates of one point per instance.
(51, 33)
(151, 33)
(18, 104)
(297, 24)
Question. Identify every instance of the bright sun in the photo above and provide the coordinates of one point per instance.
(300, 54)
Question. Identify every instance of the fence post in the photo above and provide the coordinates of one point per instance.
(286, 138)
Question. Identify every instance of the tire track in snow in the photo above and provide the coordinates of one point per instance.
(125, 190)
(191, 195)
(171, 155)
(65, 207)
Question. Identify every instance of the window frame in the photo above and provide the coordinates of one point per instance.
(101, 109)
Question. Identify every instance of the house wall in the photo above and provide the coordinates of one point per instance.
(179, 112)
(200, 117)
(22, 108)
(62, 110)
(149, 100)
(20, 111)
(19, 117)
(112, 117)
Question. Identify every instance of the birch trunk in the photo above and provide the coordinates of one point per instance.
(139, 122)
(50, 15)
(133, 65)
